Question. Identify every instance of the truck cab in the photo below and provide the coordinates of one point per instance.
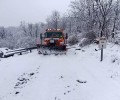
(54, 38)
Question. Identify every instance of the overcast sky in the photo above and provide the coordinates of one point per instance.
(14, 11)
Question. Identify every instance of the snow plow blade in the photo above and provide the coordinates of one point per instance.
(51, 50)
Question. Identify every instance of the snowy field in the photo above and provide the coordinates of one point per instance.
(78, 75)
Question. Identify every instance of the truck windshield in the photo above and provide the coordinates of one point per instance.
(53, 34)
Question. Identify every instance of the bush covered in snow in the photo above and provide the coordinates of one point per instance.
(90, 35)
(73, 39)
(84, 42)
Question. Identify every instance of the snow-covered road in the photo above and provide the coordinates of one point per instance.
(79, 75)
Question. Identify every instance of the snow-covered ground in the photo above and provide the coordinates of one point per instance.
(78, 75)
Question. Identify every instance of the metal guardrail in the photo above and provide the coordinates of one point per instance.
(18, 51)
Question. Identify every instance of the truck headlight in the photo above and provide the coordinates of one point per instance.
(44, 43)
(61, 43)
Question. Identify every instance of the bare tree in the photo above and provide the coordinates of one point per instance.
(104, 8)
(84, 15)
(116, 16)
(2, 33)
(36, 30)
(53, 20)
(99, 16)
(23, 28)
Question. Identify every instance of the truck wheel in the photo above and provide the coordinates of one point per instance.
(64, 47)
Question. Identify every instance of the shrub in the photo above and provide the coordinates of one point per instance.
(84, 42)
(90, 35)
(73, 40)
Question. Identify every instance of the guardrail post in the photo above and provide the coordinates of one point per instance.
(30, 50)
(20, 53)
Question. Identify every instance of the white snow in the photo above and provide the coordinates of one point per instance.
(79, 75)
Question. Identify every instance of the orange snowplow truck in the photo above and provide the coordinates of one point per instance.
(54, 39)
